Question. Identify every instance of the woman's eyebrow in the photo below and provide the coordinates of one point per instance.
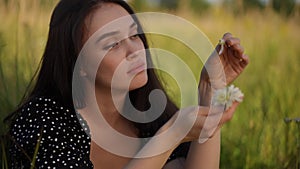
(113, 33)
(106, 35)
(133, 25)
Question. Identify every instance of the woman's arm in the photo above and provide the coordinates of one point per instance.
(233, 60)
(152, 146)
(173, 135)
(155, 162)
(206, 155)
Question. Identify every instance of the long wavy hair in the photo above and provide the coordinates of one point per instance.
(65, 38)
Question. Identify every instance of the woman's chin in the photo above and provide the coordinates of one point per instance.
(139, 80)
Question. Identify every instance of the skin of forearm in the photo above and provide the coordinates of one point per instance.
(207, 154)
(205, 91)
(157, 161)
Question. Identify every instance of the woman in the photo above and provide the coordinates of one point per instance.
(46, 120)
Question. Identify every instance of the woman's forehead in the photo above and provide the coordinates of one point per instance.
(108, 16)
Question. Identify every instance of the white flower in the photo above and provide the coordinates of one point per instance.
(221, 43)
(226, 96)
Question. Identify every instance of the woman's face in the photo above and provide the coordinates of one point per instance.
(123, 66)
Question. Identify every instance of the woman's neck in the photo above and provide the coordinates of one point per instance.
(100, 100)
(110, 105)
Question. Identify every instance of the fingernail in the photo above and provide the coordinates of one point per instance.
(202, 140)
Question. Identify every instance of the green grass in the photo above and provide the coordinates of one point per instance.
(257, 136)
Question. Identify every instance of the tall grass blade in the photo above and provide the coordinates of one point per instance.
(36, 150)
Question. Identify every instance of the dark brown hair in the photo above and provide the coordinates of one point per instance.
(54, 78)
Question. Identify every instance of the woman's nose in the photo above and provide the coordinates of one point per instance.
(132, 49)
(132, 56)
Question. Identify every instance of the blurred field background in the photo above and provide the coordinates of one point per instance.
(257, 137)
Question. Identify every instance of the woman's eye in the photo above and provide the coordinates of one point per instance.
(135, 36)
(114, 45)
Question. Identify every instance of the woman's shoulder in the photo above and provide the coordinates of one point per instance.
(45, 114)
(43, 104)
(56, 130)
(42, 111)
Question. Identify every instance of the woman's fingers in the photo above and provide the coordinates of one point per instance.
(235, 45)
(245, 59)
(209, 120)
(239, 49)
(218, 112)
(228, 114)
(232, 41)
(234, 49)
(227, 36)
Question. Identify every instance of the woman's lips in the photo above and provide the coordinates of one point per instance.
(137, 69)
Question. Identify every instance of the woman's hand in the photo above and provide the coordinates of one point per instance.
(205, 122)
(221, 70)
(208, 121)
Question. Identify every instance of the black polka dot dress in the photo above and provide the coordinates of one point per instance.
(55, 132)
(58, 135)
